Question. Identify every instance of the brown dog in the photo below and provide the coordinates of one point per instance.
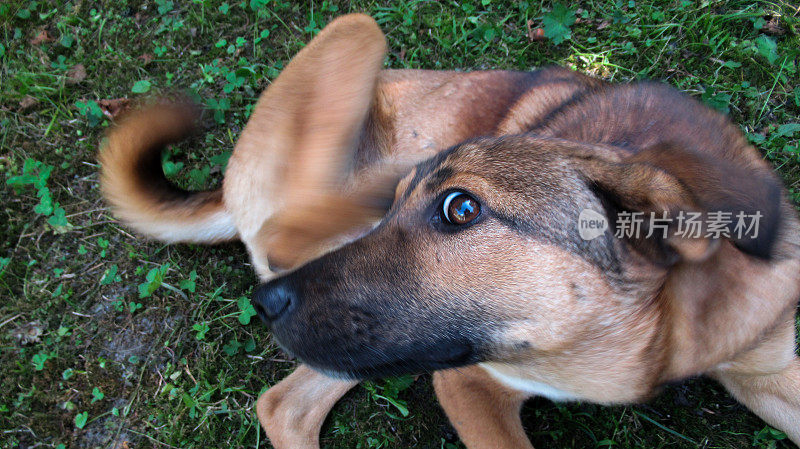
(490, 258)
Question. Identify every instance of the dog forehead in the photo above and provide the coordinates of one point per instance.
(510, 165)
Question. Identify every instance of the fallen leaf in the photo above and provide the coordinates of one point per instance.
(42, 37)
(28, 333)
(27, 102)
(76, 74)
(773, 27)
(534, 34)
(146, 58)
(113, 107)
(603, 24)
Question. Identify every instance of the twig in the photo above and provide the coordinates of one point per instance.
(10, 319)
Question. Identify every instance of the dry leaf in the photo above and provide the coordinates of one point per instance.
(146, 58)
(76, 74)
(113, 107)
(28, 333)
(42, 37)
(534, 34)
(773, 27)
(28, 102)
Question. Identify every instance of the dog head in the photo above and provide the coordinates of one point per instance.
(481, 258)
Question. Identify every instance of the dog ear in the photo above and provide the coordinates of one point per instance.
(314, 114)
(725, 200)
(308, 227)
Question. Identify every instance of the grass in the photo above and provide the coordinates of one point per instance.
(108, 340)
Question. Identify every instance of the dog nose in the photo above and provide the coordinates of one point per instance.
(272, 299)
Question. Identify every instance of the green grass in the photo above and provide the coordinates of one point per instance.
(106, 338)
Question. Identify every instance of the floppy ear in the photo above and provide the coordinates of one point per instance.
(309, 226)
(317, 107)
(733, 202)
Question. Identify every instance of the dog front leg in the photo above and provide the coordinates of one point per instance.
(767, 379)
(484, 412)
(773, 397)
(292, 411)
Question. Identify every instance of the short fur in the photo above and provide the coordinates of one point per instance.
(517, 300)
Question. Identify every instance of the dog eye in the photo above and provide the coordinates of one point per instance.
(459, 208)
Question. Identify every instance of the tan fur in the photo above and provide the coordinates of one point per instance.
(484, 412)
(144, 200)
(292, 412)
(767, 378)
(325, 148)
(295, 145)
